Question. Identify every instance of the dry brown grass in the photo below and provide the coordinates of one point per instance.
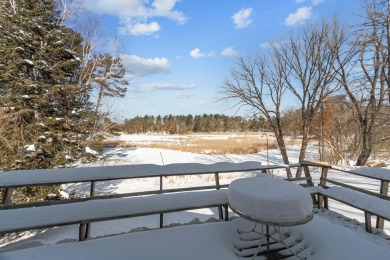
(229, 146)
(237, 144)
(118, 143)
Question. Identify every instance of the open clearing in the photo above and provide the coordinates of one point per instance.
(215, 143)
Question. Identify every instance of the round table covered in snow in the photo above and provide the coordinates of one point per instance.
(270, 201)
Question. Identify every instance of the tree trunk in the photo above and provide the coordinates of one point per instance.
(98, 101)
(302, 153)
(282, 148)
(388, 48)
(94, 130)
(366, 149)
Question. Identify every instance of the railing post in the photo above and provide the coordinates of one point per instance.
(92, 190)
(161, 215)
(324, 175)
(326, 203)
(306, 171)
(319, 197)
(7, 196)
(288, 170)
(83, 234)
(217, 186)
(87, 226)
(226, 213)
(383, 191)
(367, 217)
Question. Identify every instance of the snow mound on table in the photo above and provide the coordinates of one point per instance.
(271, 200)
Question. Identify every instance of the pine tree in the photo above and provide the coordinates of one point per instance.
(41, 103)
(106, 79)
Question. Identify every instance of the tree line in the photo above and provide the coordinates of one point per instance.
(334, 128)
(183, 124)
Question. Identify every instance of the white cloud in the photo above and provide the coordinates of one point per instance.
(300, 16)
(229, 51)
(316, 2)
(140, 67)
(140, 28)
(242, 18)
(299, 1)
(134, 15)
(164, 8)
(147, 88)
(197, 53)
(120, 8)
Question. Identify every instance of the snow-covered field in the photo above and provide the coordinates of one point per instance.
(327, 236)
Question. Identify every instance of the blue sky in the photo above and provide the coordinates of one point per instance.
(178, 53)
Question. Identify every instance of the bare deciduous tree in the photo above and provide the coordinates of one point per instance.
(90, 29)
(70, 9)
(310, 75)
(303, 64)
(258, 83)
(366, 87)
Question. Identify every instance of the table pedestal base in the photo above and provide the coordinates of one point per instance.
(262, 242)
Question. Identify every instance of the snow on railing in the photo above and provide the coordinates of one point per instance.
(40, 177)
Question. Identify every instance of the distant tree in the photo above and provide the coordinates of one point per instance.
(292, 122)
(335, 129)
(189, 122)
(159, 124)
(197, 124)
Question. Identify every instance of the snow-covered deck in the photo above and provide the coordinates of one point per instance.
(327, 236)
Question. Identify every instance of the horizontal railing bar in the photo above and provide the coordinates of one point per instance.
(325, 165)
(112, 196)
(353, 205)
(357, 189)
(63, 179)
(315, 164)
(298, 179)
(360, 174)
(212, 205)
